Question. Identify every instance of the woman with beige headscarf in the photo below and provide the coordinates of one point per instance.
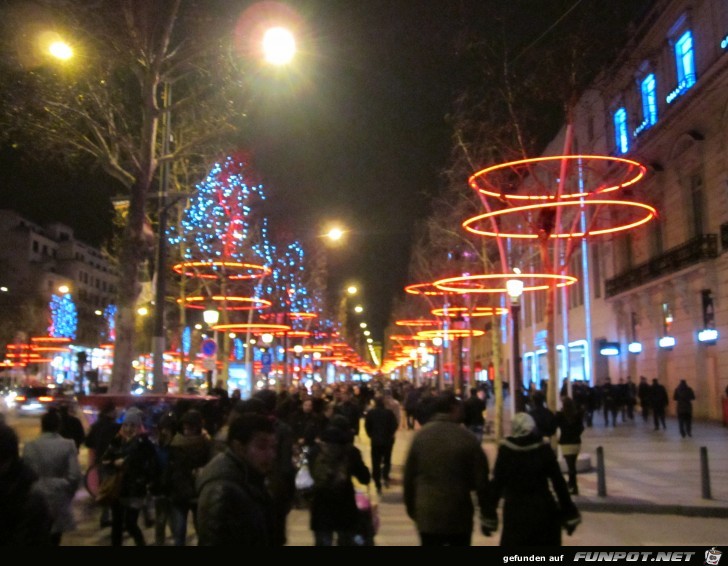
(525, 475)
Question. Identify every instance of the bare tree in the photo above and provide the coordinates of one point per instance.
(104, 108)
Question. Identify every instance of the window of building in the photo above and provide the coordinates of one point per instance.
(621, 138)
(648, 93)
(685, 65)
(35, 246)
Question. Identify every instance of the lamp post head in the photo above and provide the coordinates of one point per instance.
(514, 288)
(211, 315)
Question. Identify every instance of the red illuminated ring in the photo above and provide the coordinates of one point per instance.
(452, 333)
(417, 322)
(454, 312)
(427, 289)
(254, 303)
(294, 333)
(650, 213)
(210, 269)
(50, 339)
(403, 337)
(529, 282)
(634, 171)
(253, 327)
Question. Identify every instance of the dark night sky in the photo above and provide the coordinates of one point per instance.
(360, 138)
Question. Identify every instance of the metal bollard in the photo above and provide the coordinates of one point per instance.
(705, 472)
(601, 476)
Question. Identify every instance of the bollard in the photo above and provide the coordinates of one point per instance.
(704, 472)
(601, 478)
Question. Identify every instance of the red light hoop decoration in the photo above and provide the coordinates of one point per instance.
(427, 289)
(532, 211)
(218, 269)
(455, 312)
(50, 340)
(253, 303)
(417, 322)
(294, 333)
(496, 282)
(254, 327)
(403, 337)
(451, 333)
(544, 172)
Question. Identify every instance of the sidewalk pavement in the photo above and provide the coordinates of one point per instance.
(654, 492)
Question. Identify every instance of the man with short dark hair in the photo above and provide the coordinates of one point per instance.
(234, 506)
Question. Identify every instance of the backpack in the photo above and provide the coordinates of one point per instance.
(330, 467)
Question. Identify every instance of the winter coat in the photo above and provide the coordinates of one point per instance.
(233, 504)
(525, 473)
(333, 501)
(570, 430)
(381, 425)
(684, 397)
(54, 459)
(140, 468)
(444, 466)
(24, 515)
(187, 454)
(104, 429)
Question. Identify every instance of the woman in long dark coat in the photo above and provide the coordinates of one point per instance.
(525, 472)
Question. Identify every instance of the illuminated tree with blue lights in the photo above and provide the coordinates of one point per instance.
(64, 317)
(224, 221)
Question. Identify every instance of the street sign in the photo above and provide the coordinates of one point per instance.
(266, 361)
(208, 364)
(208, 347)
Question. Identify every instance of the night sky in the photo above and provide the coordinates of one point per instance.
(361, 138)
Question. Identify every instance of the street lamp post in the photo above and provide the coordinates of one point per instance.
(514, 288)
(211, 316)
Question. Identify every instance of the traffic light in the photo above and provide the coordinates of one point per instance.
(81, 358)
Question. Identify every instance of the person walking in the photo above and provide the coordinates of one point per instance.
(381, 425)
(334, 461)
(71, 425)
(234, 507)
(570, 426)
(659, 400)
(99, 436)
(644, 393)
(444, 467)
(189, 450)
(684, 397)
(132, 453)
(54, 459)
(25, 518)
(543, 416)
(474, 413)
(525, 475)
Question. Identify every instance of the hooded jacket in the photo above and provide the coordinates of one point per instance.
(234, 506)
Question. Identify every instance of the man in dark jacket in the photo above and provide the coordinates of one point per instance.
(660, 400)
(102, 431)
(445, 465)
(474, 418)
(234, 506)
(381, 426)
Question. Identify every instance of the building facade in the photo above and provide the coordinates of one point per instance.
(658, 294)
(35, 261)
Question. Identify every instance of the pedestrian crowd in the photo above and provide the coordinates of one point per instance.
(232, 473)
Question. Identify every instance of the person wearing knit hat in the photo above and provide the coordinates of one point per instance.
(132, 453)
(133, 416)
(526, 475)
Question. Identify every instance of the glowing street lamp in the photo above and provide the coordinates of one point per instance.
(514, 288)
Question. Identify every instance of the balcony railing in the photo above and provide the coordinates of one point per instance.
(697, 250)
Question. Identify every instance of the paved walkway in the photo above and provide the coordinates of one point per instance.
(654, 485)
